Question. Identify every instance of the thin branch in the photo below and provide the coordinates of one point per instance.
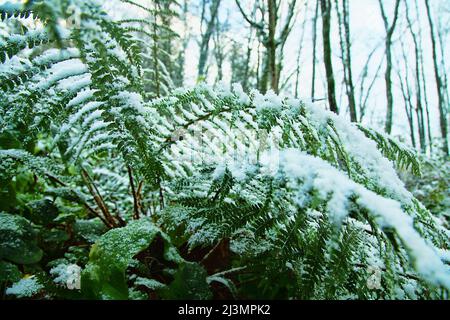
(98, 198)
(86, 205)
(251, 22)
(287, 26)
(133, 191)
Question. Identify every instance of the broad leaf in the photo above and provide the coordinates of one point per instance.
(18, 241)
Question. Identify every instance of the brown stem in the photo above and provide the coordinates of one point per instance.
(98, 198)
(139, 196)
(161, 195)
(94, 212)
(86, 205)
(135, 196)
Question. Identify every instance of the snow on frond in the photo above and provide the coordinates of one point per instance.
(326, 165)
(286, 121)
(15, 43)
(13, 9)
(299, 188)
(394, 150)
(330, 183)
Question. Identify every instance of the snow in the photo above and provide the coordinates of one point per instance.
(62, 70)
(54, 55)
(25, 288)
(306, 174)
(81, 97)
(14, 65)
(268, 101)
(241, 95)
(197, 110)
(327, 180)
(32, 35)
(111, 174)
(444, 254)
(87, 108)
(68, 275)
(131, 100)
(92, 117)
(188, 115)
(364, 151)
(75, 83)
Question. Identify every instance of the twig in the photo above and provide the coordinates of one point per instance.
(90, 209)
(212, 250)
(98, 198)
(86, 205)
(161, 195)
(222, 273)
(133, 191)
(55, 179)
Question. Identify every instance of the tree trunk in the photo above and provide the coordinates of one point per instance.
(424, 83)
(387, 76)
(439, 84)
(313, 84)
(408, 109)
(344, 36)
(272, 46)
(326, 21)
(264, 79)
(206, 37)
(300, 49)
(419, 107)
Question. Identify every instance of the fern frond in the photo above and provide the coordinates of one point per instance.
(400, 154)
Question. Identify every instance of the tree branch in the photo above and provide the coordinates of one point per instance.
(251, 22)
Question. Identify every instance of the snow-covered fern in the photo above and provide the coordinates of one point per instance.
(293, 191)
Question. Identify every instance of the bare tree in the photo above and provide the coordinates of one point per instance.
(390, 28)
(418, 86)
(439, 82)
(424, 83)
(407, 95)
(326, 23)
(207, 34)
(344, 36)
(179, 71)
(300, 49)
(364, 94)
(272, 38)
(220, 45)
(313, 80)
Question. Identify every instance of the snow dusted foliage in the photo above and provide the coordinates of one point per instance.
(270, 171)
(25, 288)
(307, 203)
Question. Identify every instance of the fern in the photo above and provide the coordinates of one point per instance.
(298, 202)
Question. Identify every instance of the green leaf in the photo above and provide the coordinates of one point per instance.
(9, 272)
(55, 236)
(90, 230)
(190, 282)
(18, 241)
(224, 281)
(151, 284)
(42, 212)
(7, 196)
(104, 276)
(9, 141)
